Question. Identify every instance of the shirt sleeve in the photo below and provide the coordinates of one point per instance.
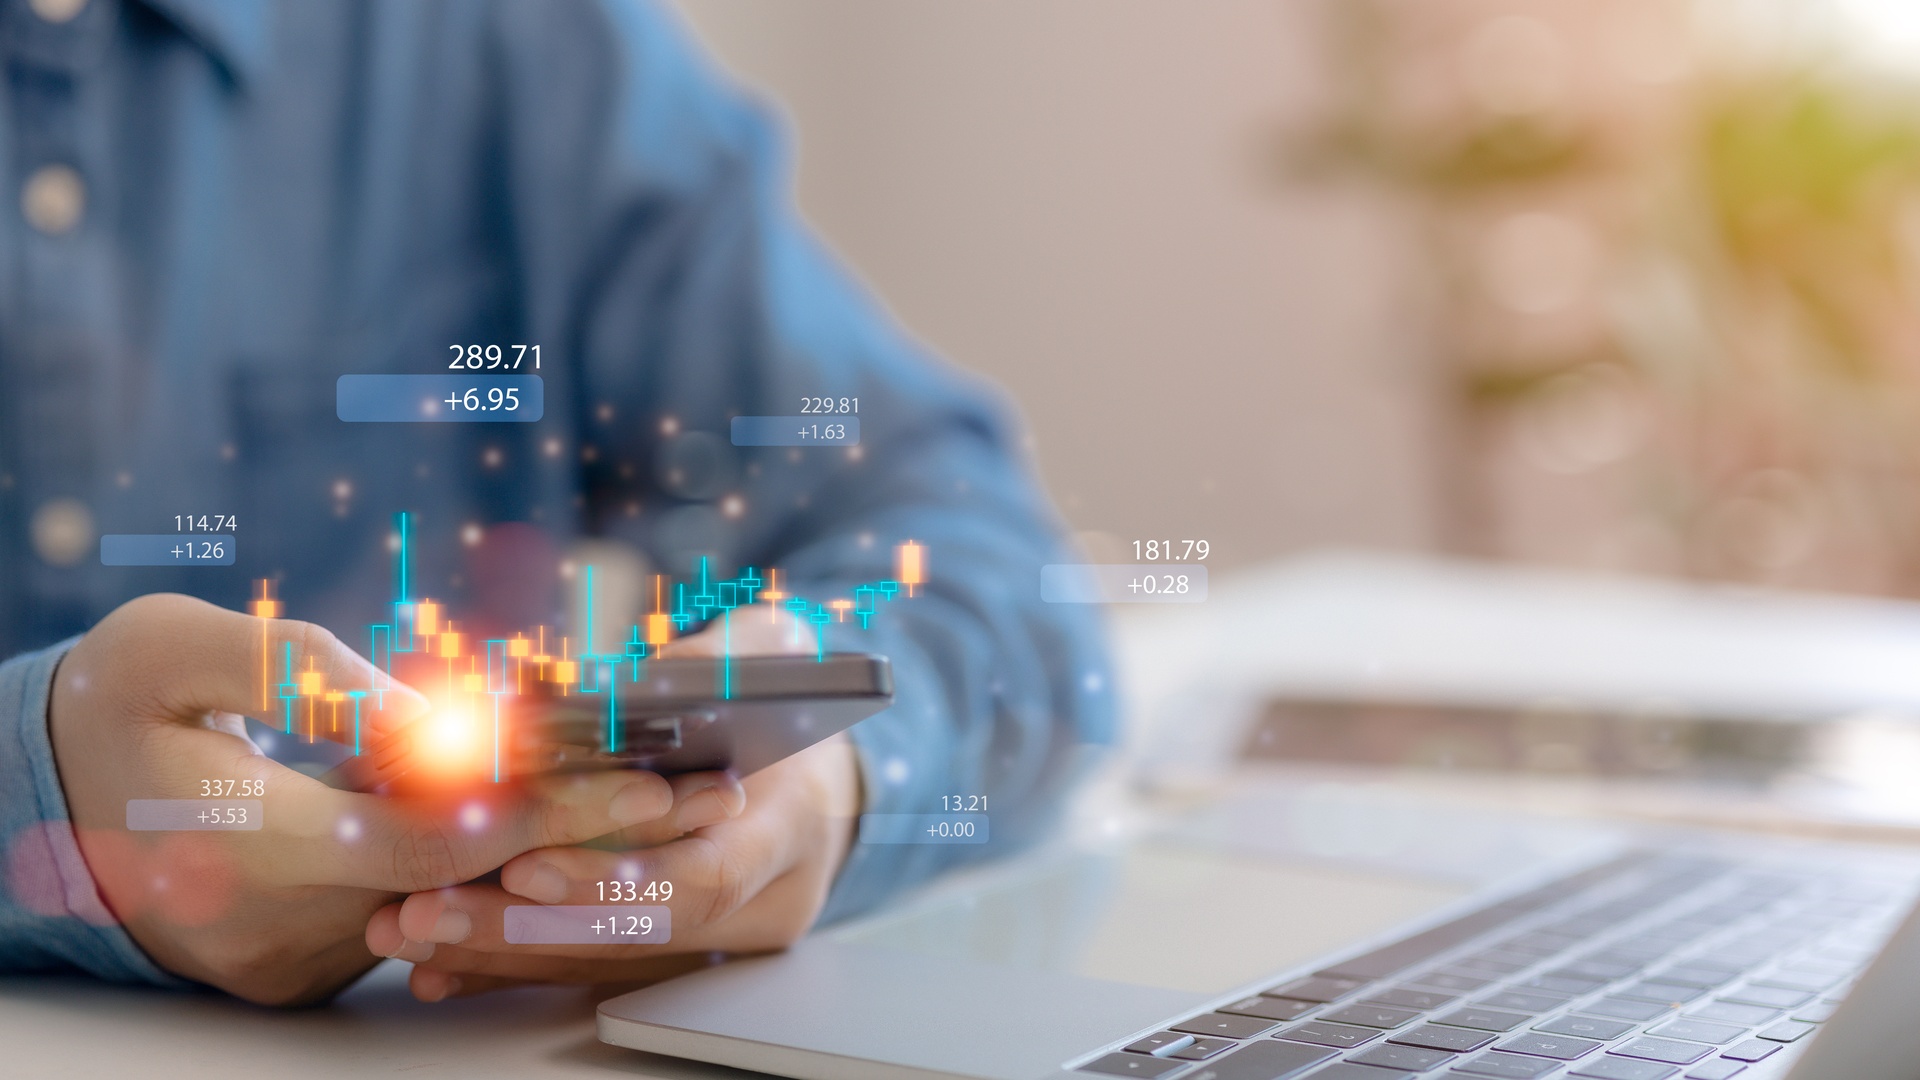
(51, 914)
(657, 226)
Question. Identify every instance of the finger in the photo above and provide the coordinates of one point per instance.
(195, 658)
(414, 843)
(699, 800)
(430, 985)
(384, 938)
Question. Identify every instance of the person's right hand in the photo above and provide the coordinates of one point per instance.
(145, 707)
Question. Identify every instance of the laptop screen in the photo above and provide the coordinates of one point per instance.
(1159, 914)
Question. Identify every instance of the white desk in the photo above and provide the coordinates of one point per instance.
(79, 1028)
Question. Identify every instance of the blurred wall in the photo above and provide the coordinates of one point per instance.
(1082, 199)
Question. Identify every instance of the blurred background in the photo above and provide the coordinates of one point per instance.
(1616, 284)
(1585, 332)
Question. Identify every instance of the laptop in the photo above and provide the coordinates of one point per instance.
(1326, 938)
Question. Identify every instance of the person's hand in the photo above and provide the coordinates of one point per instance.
(751, 873)
(146, 706)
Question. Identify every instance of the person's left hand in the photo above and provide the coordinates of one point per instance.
(750, 867)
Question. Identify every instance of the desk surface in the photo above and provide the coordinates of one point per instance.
(75, 1027)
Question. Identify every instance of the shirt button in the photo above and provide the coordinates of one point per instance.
(53, 199)
(62, 531)
(57, 11)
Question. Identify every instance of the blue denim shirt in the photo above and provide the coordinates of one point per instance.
(272, 195)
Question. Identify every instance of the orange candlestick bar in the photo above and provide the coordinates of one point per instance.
(912, 565)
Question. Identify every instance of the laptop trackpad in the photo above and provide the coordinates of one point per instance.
(830, 1009)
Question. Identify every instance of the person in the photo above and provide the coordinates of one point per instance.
(225, 206)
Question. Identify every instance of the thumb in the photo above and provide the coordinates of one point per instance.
(191, 657)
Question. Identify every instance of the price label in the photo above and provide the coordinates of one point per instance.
(439, 399)
(588, 924)
(194, 815)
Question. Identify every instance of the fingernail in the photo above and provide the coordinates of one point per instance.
(449, 986)
(634, 804)
(451, 927)
(415, 951)
(700, 809)
(545, 885)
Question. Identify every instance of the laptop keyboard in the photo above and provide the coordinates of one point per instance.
(1651, 967)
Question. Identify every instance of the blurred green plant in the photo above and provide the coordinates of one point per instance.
(1812, 181)
(1760, 278)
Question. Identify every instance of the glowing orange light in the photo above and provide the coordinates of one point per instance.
(312, 683)
(519, 646)
(426, 617)
(659, 629)
(449, 644)
(449, 741)
(566, 671)
(473, 684)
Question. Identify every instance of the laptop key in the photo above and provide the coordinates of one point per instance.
(1161, 1043)
(1402, 997)
(1373, 1016)
(1623, 1009)
(1820, 967)
(1787, 1031)
(1717, 1069)
(1339, 1036)
(1495, 1063)
(1613, 1068)
(1318, 988)
(1665, 993)
(1435, 1037)
(1558, 1047)
(1131, 1065)
(1483, 1019)
(1728, 1012)
(1450, 980)
(1558, 984)
(1704, 1031)
(1586, 1027)
(1495, 962)
(1706, 978)
(1751, 1050)
(1267, 1008)
(1268, 1059)
(1389, 1056)
(1814, 1014)
(1201, 1049)
(1528, 1003)
(1341, 1070)
(1598, 970)
(1537, 942)
(1771, 997)
(1671, 1051)
(1797, 980)
(1225, 1026)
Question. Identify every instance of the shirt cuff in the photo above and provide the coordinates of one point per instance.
(51, 913)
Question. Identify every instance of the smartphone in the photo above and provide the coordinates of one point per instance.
(683, 715)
